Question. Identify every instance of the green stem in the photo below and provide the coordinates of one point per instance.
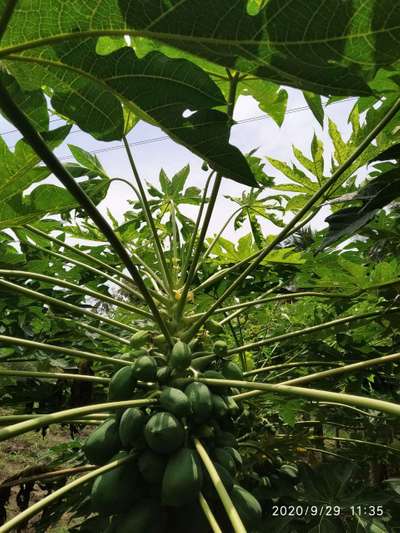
(53, 418)
(196, 227)
(16, 341)
(175, 243)
(98, 331)
(48, 475)
(256, 301)
(14, 523)
(149, 217)
(313, 200)
(13, 419)
(209, 514)
(74, 287)
(319, 450)
(313, 394)
(290, 365)
(52, 375)
(126, 287)
(226, 501)
(312, 329)
(215, 240)
(199, 246)
(137, 257)
(341, 405)
(35, 295)
(76, 251)
(335, 371)
(356, 441)
(34, 139)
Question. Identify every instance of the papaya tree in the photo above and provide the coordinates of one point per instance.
(181, 339)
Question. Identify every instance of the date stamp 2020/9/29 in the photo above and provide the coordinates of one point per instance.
(327, 510)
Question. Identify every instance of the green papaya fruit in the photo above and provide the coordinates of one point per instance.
(163, 375)
(225, 458)
(247, 506)
(181, 356)
(116, 491)
(164, 433)
(143, 517)
(122, 384)
(224, 438)
(140, 338)
(231, 370)
(175, 401)
(131, 426)
(151, 465)
(214, 374)
(220, 409)
(146, 368)
(200, 401)
(183, 478)
(227, 481)
(220, 348)
(103, 443)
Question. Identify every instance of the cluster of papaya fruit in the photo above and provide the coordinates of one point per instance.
(156, 488)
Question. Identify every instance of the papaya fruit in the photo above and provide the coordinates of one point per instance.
(247, 506)
(103, 443)
(181, 356)
(122, 384)
(143, 517)
(163, 375)
(116, 491)
(231, 370)
(164, 433)
(146, 368)
(224, 438)
(175, 401)
(209, 488)
(220, 409)
(225, 459)
(220, 348)
(140, 338)
(200, 401)
(131, 427)
(183, 478)
(214, 374)
(151, 465)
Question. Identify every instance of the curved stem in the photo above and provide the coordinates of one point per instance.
(341, 405)
(98, 331)
(357, 441)
(149, 217)
(209, 514)
(22, 517)
(67, 284)
(226, 501)
(96, 271)
(314, 394)
(48, 475)
(53, 418)
(318, 327)
(189, 252)
(35, 295)
(290, 365)
(215, 240)
(34, 139)
(313, 200)
(13, 419)
(16, 341)
(52, 375)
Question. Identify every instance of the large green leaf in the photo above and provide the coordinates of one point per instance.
(90, 89)
(330, 47)
(18, 169)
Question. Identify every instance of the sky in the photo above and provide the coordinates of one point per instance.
(298, 129)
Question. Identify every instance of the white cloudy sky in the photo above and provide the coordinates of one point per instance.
(297, 129)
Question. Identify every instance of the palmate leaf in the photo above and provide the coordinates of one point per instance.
(375, 195)
(90, 88)
(331, 47)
